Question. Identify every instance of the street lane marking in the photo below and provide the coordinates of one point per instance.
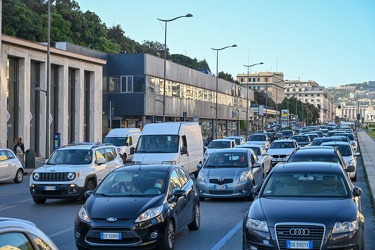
(227, 237)
(61, 232)
(5, 208)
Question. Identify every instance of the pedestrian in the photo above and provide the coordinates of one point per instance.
(19, 149)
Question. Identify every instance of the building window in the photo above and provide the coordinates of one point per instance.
(266, 79)
(241, 79)
(249, 79)
(254, 80)
(258, 79)
(126, 84)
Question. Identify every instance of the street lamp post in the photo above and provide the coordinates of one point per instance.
(247, 97)
(217, 82)
(165, 53)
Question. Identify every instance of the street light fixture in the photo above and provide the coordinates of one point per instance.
(247, 97)
(217, 82)
(165, 53)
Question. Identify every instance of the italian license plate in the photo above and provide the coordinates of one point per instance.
(220, 187)
(49, 188)
(292, 244)
(110, 236)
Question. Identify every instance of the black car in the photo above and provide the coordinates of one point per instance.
(318, 153)
(305, 205)
(138, 206)
(318, 141)
(302, 140)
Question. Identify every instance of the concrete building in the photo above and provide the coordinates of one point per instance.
(133, 89)
(75, 95)
(311, 92)
(92, 92)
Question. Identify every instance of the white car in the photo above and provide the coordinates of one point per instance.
(280, 150)
(259, 138)
(347, 153)
(72, 170)
(262, 154)
(10, 167)
(217, 144)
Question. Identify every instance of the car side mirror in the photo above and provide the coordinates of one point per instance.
(177, 194)
(350, 169)
(184, 150)
(357, 191)
(255, 190)
(88, 193)
(101, 161)
(132, 150)
(200, 165)
(357, 154)
(256, 165)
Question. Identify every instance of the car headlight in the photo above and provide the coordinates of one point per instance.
(201, 176)
(347, 226)
(350, 163)
(71, 176)
(149, 214)
(244, 176)
(83, 215)
(36, 176)
(168, 163)
(257, 225)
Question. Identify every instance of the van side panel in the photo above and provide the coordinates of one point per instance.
(194, 141)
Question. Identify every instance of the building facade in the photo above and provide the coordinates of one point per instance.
(75, 95)
(133, 93)
(311, 92)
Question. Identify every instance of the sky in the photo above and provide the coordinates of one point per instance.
(331, 42)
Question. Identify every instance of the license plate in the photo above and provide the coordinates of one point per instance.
(292, 244)
(220, 187)
(49, 188)
(110, 236)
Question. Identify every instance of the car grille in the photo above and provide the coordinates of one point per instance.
(128, 236)
(279, 156)
(221, 192)
(54, 176)
(315, 234)
(221, 182)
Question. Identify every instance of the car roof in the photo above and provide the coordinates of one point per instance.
(85, 145)
(315, 147)
(223, 139)
(145, 167)
(335, 143)
(232, 150)
(311, 166)
(323, 151)
(284, 140)
(248, 145)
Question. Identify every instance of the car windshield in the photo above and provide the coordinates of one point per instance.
(71, 157)
(300, 138)
(117, 141)
(219, 144)
(227, 160)
(258, 137)
(306, 184)
(277, 144)
(158, 144)
(345, 150)
(286, 132)
(256, 150)
(313, 157)
(319, 141)
(133, 183)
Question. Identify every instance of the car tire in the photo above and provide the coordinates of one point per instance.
(39, 201)
(169, 237)
(201, 198)
(90, 185)
(355, 177)
(19, 176)
(124, 158)
(194, 225)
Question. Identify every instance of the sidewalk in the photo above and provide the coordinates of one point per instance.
(367, 149)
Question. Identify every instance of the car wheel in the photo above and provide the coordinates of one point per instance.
(123, 158)
(39, 201)
(169, 237)
(355, 177)
(90, 185)
(19, 176)
(201, 198)
(194, 225)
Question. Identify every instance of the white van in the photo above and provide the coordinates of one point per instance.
(124, 139)
(171, 143)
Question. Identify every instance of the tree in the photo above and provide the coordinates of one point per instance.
(225, 76)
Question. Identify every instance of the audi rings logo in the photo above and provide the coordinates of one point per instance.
(220, 179)
(299, 231)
